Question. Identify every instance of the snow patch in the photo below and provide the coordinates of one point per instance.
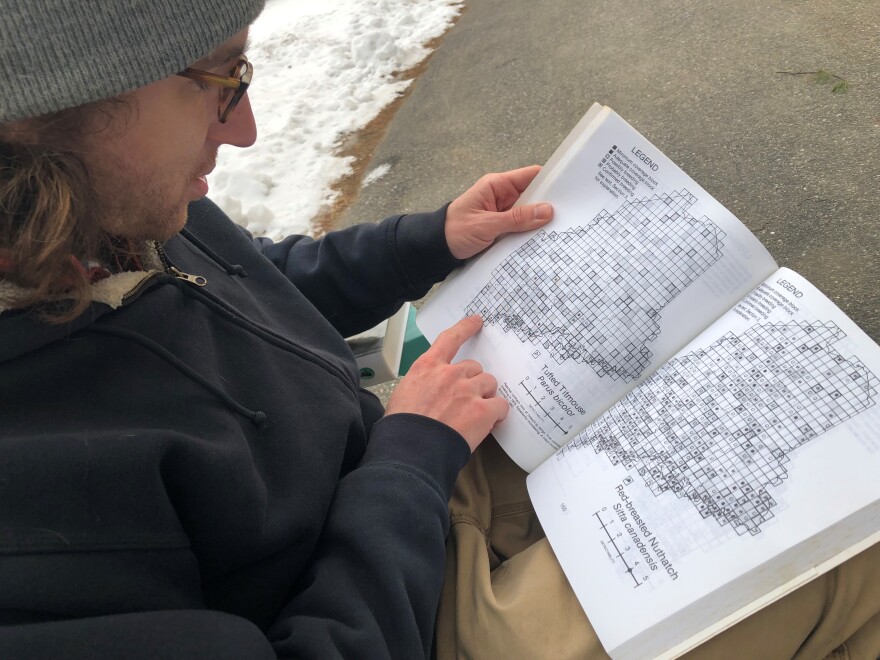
(375, 174)
(322, 70)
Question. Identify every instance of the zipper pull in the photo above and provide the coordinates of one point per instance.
(198, 280)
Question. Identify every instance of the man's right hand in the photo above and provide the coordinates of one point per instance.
(460, 395)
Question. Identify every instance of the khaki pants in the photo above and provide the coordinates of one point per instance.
(505, 596)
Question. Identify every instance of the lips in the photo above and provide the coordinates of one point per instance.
(200, 181)
(200, 184)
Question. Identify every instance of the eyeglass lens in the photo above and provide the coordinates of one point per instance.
(226, 94)
(229, 98)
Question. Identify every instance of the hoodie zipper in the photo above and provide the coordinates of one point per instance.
(140, 287)
(171, 269)
(242, 321)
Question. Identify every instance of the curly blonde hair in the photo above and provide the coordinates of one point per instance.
(48, 226)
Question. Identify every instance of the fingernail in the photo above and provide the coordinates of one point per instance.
(543, 212)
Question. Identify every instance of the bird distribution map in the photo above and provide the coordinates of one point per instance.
(716, 426)
(594, 294)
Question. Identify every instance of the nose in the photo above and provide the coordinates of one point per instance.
(240, 129)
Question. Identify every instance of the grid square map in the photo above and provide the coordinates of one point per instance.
(594, 294)
(716, 426)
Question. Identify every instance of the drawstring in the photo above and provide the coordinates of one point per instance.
(258, 417)
(231, 269)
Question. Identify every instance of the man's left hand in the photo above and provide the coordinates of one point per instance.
(486, 211)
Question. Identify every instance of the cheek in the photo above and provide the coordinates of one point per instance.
(170, 144)
(168, 161)
(173, 133)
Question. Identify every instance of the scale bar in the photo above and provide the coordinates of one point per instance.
(546, 413)
(629, 568)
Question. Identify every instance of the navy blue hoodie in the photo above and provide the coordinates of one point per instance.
(197, 473)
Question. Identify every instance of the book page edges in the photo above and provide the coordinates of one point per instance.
(569, 148)
(771, 597)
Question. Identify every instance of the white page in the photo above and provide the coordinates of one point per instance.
(564, 338)
(635, 552)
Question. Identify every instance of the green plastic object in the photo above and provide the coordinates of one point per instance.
(414, 343)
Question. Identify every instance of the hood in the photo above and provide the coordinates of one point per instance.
(21, 331)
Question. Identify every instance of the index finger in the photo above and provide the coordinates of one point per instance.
(450, 340)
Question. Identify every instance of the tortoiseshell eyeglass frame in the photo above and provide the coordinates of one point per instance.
(237, 83)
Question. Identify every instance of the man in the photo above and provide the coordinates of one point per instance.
(188, 467)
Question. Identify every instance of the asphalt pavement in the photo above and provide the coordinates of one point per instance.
(796, 162)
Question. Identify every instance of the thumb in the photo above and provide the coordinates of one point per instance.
(525, 218)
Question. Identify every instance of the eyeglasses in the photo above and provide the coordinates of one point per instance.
(232, 86)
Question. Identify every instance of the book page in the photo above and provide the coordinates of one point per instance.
(637, 260)
(745, 461)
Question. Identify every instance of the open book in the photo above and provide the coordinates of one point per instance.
(700, 425)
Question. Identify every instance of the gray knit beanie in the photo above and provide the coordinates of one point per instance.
(56, 54)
